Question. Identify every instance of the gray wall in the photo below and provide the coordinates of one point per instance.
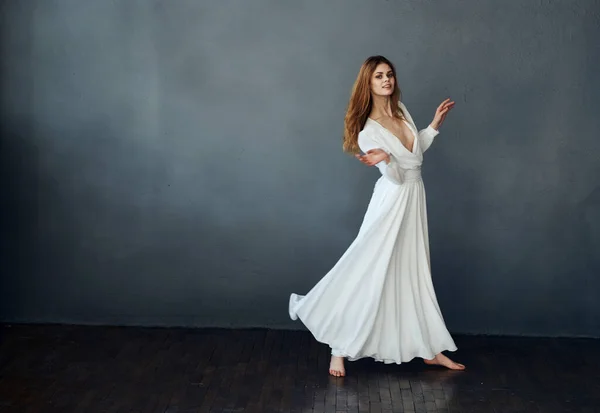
(179, 162)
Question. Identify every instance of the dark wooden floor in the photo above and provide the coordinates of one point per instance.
(110, 369)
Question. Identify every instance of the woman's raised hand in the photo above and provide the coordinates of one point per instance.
(441, 112)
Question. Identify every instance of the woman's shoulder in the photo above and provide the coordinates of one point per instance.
(368, 126)
(404, 110)
(367, 130)
(369, 133)
(402, 106)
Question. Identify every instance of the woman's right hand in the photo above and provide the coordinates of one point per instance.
(373, 157)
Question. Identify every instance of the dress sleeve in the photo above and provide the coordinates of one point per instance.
(391, 171)
(426, 137)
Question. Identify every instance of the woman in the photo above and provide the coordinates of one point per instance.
(378, 300)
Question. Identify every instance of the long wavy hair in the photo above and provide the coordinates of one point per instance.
(361, 102)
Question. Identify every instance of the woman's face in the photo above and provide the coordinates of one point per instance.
(382, 80)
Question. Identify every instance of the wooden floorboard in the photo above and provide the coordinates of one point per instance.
(53, 368)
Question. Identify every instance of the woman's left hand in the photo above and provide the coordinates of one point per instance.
(441, 112)
(373, 157)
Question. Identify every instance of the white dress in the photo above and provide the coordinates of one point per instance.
(378, 300)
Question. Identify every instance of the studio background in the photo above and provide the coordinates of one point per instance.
(179, 163)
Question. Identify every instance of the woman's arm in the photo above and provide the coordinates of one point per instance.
(426, 137)
(388, 167)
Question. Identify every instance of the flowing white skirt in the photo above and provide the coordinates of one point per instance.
(378, 300)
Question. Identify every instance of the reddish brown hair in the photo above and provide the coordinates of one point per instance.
(361, 102)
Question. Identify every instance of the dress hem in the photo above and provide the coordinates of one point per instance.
(295, 298)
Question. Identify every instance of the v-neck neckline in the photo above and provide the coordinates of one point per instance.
(415, 140)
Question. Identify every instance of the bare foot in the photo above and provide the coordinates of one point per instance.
(336, 367)
(441, 360)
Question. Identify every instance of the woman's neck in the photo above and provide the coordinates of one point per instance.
(381, 107)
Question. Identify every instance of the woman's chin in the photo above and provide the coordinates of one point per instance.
(385, 93)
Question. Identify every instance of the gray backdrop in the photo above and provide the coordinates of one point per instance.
(179, 162)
